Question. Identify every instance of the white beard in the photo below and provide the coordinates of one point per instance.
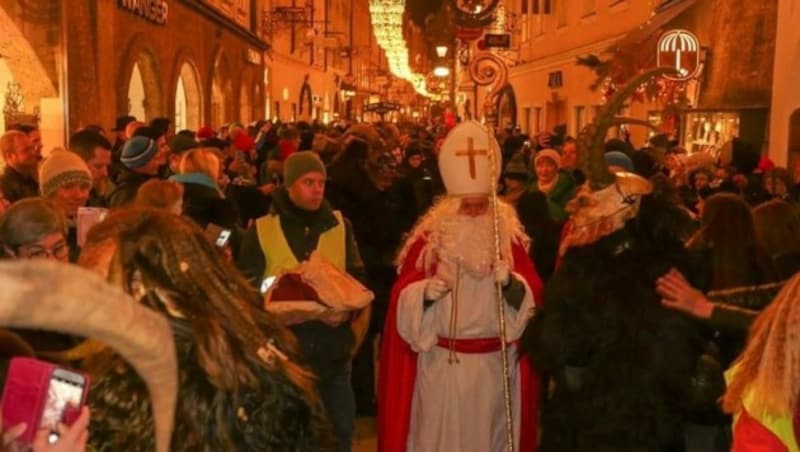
(465, 242)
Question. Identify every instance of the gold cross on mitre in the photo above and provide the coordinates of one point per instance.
(471, 152)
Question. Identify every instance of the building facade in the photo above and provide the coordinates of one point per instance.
(70, 64)
(784, 146)
(546, 87)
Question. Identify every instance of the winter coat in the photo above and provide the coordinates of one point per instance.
(558, 196)
(326, 349)
(16, 186)
(127, 185)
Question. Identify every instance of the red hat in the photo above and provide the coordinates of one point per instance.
(205, 133)
(765, 164)
(244, 142)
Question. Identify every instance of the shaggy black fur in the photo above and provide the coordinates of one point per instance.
(622, 364)
(273, 417)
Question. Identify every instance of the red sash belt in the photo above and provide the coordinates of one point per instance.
(472, 346)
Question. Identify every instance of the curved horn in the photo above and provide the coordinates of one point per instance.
(68, 299)
(592, 140)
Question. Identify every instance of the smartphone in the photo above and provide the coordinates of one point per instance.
(223, 237)
(42, 395)
(266, 283)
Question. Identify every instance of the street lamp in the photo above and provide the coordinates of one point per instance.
(441, 71)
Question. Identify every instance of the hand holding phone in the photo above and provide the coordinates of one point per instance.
(43, 396)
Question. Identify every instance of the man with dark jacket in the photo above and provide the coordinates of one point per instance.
(141, 159)
(300, 222)
(22, 158)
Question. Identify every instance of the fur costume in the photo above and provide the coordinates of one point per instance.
(238, 388)
(621, 364)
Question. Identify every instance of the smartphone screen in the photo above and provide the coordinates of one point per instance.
(65, 390)
(223, 237)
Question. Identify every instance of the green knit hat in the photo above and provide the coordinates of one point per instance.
(62, 168)
(299, 164)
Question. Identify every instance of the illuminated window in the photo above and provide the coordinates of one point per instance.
(181, 105)
(136, 96)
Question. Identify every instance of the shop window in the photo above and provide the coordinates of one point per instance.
(579, 118)
(180, 106)
(708, 131)
(6, 80)
(136, 97)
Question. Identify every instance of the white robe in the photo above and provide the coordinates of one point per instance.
(460, 407)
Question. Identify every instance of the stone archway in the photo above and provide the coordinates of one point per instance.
(188, 98)
(144, 88)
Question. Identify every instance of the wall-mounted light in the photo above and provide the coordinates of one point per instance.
(441, 71)
(286, 94)
(441, 51)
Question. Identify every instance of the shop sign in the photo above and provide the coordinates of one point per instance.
(679, 49)
(497, 41)
(382, 107)
(151, 10)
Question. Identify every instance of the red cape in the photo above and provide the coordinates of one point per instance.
(398, 364)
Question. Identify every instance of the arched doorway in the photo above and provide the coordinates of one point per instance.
(188, 100)
(507, 107)
(144, 88)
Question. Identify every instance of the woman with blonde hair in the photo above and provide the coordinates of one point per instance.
(764, 382)
(203, 200)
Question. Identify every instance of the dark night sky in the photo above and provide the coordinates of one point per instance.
(421, 8)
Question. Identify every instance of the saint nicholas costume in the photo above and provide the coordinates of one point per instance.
(440, 385)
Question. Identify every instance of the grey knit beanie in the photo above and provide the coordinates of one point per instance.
(301, 163)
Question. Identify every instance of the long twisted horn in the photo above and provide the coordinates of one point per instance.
(591, 143)
(68, 299)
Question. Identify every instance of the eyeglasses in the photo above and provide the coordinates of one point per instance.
(58, 251)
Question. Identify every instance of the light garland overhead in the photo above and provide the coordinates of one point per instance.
(387, 23)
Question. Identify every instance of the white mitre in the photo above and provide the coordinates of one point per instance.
(464, 160)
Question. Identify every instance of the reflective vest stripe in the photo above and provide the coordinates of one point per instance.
(278, 254)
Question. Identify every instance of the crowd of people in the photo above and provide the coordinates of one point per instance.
(631, 278)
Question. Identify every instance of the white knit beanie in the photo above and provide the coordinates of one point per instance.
(62, 168)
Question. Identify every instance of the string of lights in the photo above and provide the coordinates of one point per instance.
(387, 23)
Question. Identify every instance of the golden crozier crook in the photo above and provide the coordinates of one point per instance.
(453, 358)
(501, 312)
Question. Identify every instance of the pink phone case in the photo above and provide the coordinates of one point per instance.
(25, 395)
